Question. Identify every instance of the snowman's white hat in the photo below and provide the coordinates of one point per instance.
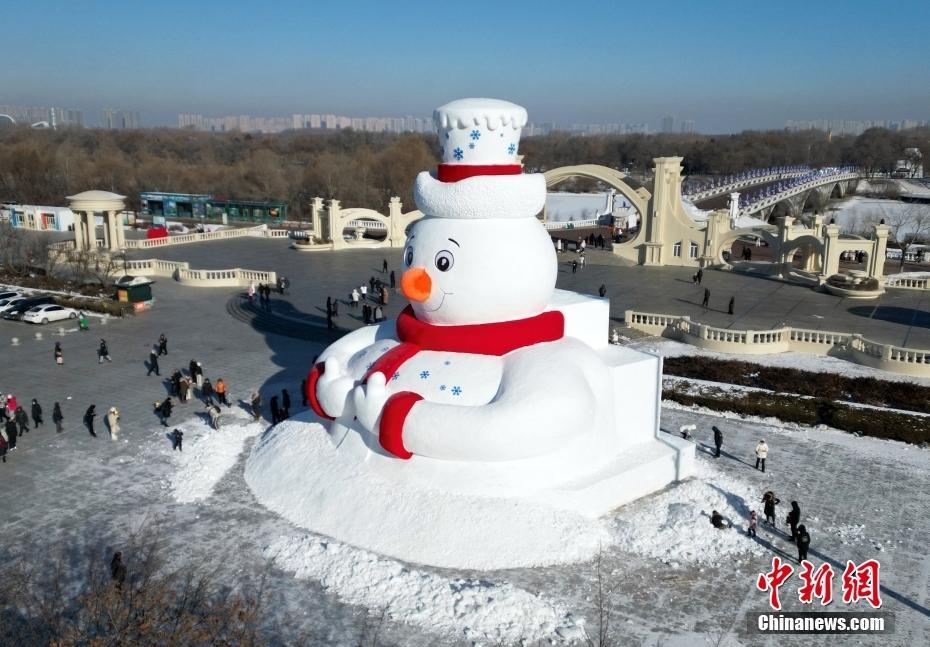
(479, 176)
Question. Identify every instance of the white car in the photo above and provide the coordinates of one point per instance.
(49, 312)
(7, 304)
(9, 295)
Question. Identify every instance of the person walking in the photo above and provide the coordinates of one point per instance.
(793, 519)
(303, 392)
(206, 391)
(113, 423)
(22, 421)
(384, 295)
(354, 298)
(285, 404)
(762, 451)
(162, 344)
(392, 280)
(198, 376)
(220, 390)
(378, 314)
(176, 382)
(184, 389)
(706, 298)
(36, 414)
(699, 276)
(730, 306)
(103, 352)
(753, 524)
(251, 292)
(59, 356)
(11, 433)
(57, 418)
(718, 440)
(153, 363)
(177, 438)
(329, 319)
(803, 542)
(256, 403)
(574, 266)
(366, 313)
(581, 261)
(384, 266)
(769, 501)
(117, 569)
(164, 410)
(89, 416)
(275, 410)
(602, 291)
(363, 289)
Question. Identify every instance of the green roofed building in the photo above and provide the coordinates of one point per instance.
(206, 207)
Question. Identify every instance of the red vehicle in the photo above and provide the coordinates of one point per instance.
(158, 231)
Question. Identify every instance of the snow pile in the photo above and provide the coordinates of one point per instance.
(847, 534)
(207, 457)
(298, 473)
(469, 609)
(674, 526)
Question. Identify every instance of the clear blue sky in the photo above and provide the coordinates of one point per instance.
(728, 65)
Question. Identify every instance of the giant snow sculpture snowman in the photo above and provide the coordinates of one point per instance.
(490, 387)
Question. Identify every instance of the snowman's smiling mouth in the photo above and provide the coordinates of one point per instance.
(441, 301)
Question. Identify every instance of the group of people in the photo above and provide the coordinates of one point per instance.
(264, 294)
(799, 534)
(373, 297)
(14, 421)
(280, 408)
(851, 256)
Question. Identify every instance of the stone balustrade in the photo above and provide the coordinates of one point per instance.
(182, 273)
(852, 347)
(907, 283)
(573, 224)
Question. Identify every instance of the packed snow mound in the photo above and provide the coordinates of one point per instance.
(674, 526)
(207, 456)
(476, 610)
(297, 472)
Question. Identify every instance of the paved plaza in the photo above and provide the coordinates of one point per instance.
(899, 317)
(75, 493)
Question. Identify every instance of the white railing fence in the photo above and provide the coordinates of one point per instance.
(852, 347)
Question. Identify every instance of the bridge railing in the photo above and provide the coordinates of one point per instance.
(571, 224)
(754, 204)
(907, 283)
(261, 231)
(850, 346)
(700, 194)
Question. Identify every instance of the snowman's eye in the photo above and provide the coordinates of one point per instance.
(444, 260)
(408, 256)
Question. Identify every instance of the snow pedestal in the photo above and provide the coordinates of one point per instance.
(338, 481)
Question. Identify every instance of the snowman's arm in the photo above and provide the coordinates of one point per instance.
(346, 346)
(539, 407)
(341, 350)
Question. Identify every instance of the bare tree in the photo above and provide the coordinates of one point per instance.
(603, 600)
(909, 225)
(105, 265)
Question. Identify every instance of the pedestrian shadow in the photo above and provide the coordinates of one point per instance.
(893, 314)
(711, 451)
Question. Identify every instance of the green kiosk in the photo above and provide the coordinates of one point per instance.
(135, 290)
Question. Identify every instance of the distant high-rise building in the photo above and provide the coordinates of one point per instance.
(57, 117)
(687, 126)
(121, 119)
(668, 124)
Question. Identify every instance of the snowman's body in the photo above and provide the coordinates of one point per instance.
(491, 384)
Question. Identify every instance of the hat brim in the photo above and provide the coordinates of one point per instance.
(481, 196)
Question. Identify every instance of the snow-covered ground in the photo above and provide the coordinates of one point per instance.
(855, 214)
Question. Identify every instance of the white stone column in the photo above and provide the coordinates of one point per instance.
(78, 231)
(92, 230)
(107, 232)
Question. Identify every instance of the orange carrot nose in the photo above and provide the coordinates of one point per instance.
(416, 284)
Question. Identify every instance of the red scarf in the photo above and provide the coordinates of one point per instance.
(478, 339)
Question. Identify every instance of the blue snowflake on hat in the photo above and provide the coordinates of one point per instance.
(512, 149)
(458, 153)
(476, 135)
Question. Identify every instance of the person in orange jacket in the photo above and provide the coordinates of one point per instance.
(220, 389)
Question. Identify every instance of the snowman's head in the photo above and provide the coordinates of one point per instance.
(461, 271)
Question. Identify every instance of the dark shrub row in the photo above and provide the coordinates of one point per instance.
(813, 411)
(829, 386)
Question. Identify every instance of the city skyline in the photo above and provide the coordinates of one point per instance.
(726, 66)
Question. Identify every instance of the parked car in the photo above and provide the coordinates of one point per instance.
(49, 312)
(24, 304)
(10, 303)
(9, 295)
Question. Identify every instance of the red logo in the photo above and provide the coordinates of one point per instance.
(860, 583)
